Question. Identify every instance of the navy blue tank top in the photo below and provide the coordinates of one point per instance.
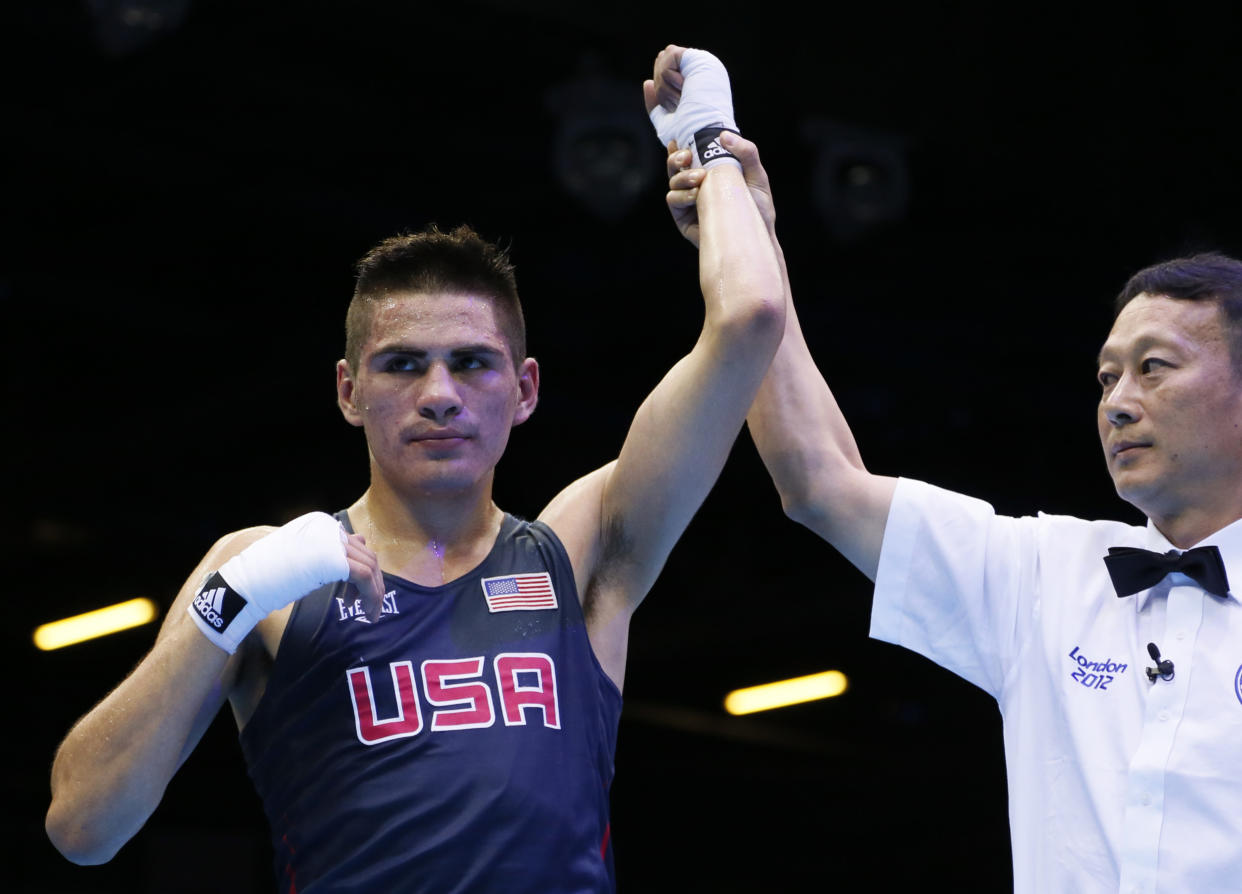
(463, 742)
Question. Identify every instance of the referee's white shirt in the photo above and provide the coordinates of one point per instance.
(1116, 783)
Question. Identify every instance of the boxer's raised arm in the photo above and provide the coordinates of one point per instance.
(801, 434)
(634, 510)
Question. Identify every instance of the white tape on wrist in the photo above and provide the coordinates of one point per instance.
(703, 112)
(292, 561)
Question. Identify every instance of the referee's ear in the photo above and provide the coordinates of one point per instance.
(346, 393)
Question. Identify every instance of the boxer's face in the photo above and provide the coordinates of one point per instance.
(437, 391)
(1170, 416)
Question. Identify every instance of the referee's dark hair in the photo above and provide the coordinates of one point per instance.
(1209, 276)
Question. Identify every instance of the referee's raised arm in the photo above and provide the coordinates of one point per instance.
(810, 452)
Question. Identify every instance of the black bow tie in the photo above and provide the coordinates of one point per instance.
(1134, 569)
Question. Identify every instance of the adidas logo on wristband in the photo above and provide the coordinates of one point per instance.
(217, 603)
(707, 143)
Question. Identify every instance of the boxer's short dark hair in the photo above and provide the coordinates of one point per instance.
(429, 262)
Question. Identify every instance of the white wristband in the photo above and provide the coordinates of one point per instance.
(290, 562)
(704, 110)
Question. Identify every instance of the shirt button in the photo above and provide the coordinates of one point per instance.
(1163, 716)
(1145, 801)
(1181, 634)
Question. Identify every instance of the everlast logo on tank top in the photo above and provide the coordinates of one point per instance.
(355, 611)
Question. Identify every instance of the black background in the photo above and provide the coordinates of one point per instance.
(181, 218)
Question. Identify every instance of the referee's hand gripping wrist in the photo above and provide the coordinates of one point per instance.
(290, 562)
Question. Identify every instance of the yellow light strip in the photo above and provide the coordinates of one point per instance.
(785, 692)
(101, 622)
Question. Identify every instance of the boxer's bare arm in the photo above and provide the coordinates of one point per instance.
(111, 771)
(802, 436)
(620, 523)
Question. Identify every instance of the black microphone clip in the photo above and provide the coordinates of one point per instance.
(1163, 669)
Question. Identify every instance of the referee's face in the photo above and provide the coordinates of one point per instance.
(436, 392)
(1170, 414)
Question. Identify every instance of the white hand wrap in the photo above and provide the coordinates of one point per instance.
(295, 559)
(705, 109)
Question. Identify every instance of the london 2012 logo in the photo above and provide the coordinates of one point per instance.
(1237, 683)
(1095, 673)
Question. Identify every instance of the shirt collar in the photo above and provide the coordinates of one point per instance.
(1228, 540)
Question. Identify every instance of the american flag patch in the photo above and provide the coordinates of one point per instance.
(519, 592)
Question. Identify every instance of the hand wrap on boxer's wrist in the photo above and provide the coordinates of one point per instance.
(295, 559)
(703, 112)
